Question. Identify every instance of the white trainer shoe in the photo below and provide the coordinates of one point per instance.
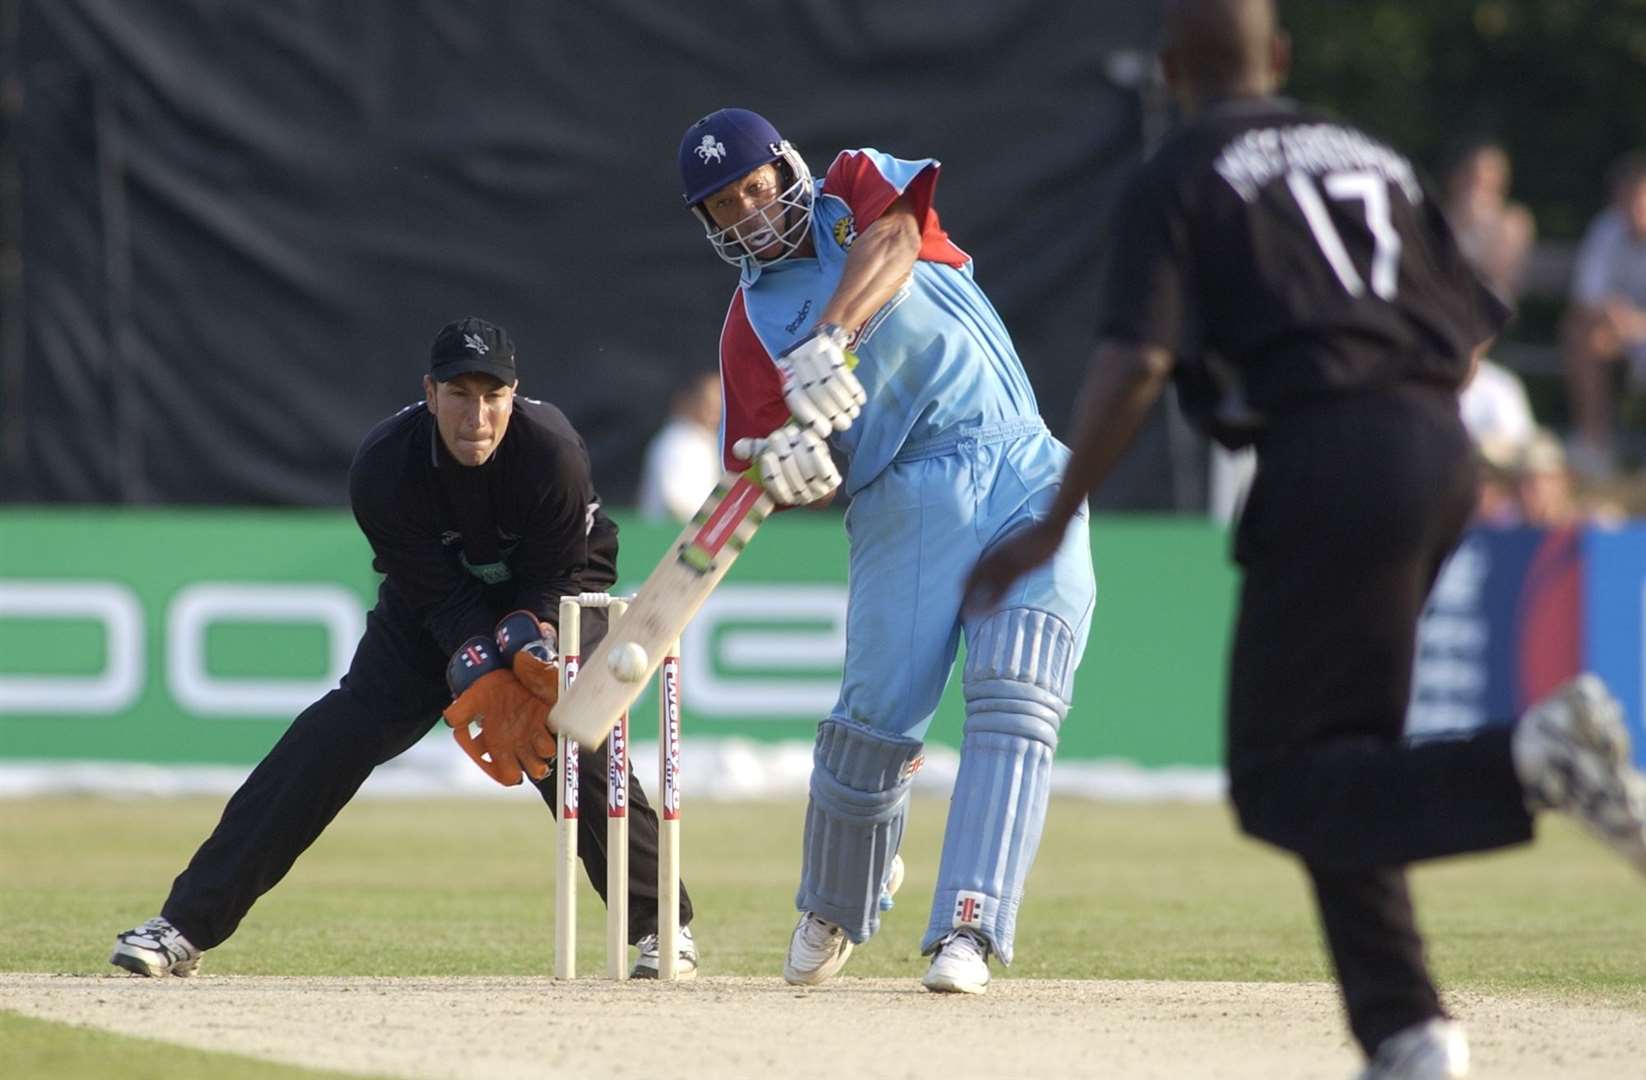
(961, 965)
(645, 965)
(1571, 753)
(817, 951)
(1432, 1050)
(818, 948)
(894, 882)
(155, 949)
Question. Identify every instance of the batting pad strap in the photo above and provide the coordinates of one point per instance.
(844, 803)
(861, 758)
(1026, 647)
(854, 822)
(1000, 704)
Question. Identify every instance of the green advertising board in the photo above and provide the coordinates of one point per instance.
(195, 636)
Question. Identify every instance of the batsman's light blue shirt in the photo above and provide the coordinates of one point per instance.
(935, 358)
(949, 455)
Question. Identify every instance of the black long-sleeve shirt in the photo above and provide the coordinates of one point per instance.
(1307, 255)
(461, 546)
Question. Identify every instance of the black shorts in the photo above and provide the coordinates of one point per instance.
(1356, 503)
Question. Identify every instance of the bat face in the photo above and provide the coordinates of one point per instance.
(665, 603)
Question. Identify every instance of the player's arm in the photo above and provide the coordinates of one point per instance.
(1598, 319)
(1122, 385)
(1146, 291)
(450, 603)
(1627, 319)
(891, 204)
(568, 546)
(791, 459)
(878, 265)
(818, 382)
(500, 711)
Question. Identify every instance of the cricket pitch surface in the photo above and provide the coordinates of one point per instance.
(758, 1027)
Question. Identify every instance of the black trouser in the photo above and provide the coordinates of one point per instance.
(391, 697)
(1356, 503)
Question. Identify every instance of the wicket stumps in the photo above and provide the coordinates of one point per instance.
(617, 810)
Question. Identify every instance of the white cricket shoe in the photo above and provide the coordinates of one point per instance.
(155, 949)
(645, 965)
(1432, 1050)
(1571, 753)
(818, 948)
(817, 951)
(961, 965)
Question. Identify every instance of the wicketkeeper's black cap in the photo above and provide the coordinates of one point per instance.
(472, 345)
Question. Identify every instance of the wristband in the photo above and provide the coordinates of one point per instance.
(474, 658)
(518, 629)
(835, 332)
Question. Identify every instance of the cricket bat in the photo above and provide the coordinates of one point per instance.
(665, 603)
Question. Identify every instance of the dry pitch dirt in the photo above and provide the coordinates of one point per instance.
(868, 1028)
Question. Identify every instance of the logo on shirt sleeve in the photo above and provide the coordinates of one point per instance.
(845, 232)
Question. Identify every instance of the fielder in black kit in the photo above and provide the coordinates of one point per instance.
(477, 503)
(1299, 283)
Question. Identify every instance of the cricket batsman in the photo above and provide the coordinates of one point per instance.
(856, 327)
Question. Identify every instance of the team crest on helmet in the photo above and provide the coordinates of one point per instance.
(711, 149)
(845, 231)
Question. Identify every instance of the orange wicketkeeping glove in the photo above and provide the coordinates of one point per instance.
(500, 724)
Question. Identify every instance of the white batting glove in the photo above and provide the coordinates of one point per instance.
(818, 383)
(795, 466)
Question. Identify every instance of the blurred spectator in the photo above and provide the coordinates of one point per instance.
(1492, 232)
(1498, 499)
(1606, 321)
(1228, 480)
(683, 458)
(1544, 484)
(1495, 407)
(1496, 411)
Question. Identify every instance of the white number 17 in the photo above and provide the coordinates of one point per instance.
(1370, 189)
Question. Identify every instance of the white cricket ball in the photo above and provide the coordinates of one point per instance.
(628, 662)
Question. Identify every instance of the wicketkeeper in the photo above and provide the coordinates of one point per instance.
(481, 513)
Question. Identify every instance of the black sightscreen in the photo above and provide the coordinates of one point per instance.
(241, 222)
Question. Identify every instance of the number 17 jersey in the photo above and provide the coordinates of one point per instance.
(1304, 255)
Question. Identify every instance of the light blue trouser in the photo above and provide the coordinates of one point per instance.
(916, 532)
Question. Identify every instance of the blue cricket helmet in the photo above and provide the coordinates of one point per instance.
(728, 144)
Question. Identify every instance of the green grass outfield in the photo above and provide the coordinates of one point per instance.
(457, 887)
(465, 887)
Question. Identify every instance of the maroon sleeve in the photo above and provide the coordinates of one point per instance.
(857, 180)
(750, 384)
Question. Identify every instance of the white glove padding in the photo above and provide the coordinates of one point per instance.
(795, 466)
(818, 383)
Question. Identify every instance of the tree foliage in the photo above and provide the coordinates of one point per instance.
(1560, 83)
